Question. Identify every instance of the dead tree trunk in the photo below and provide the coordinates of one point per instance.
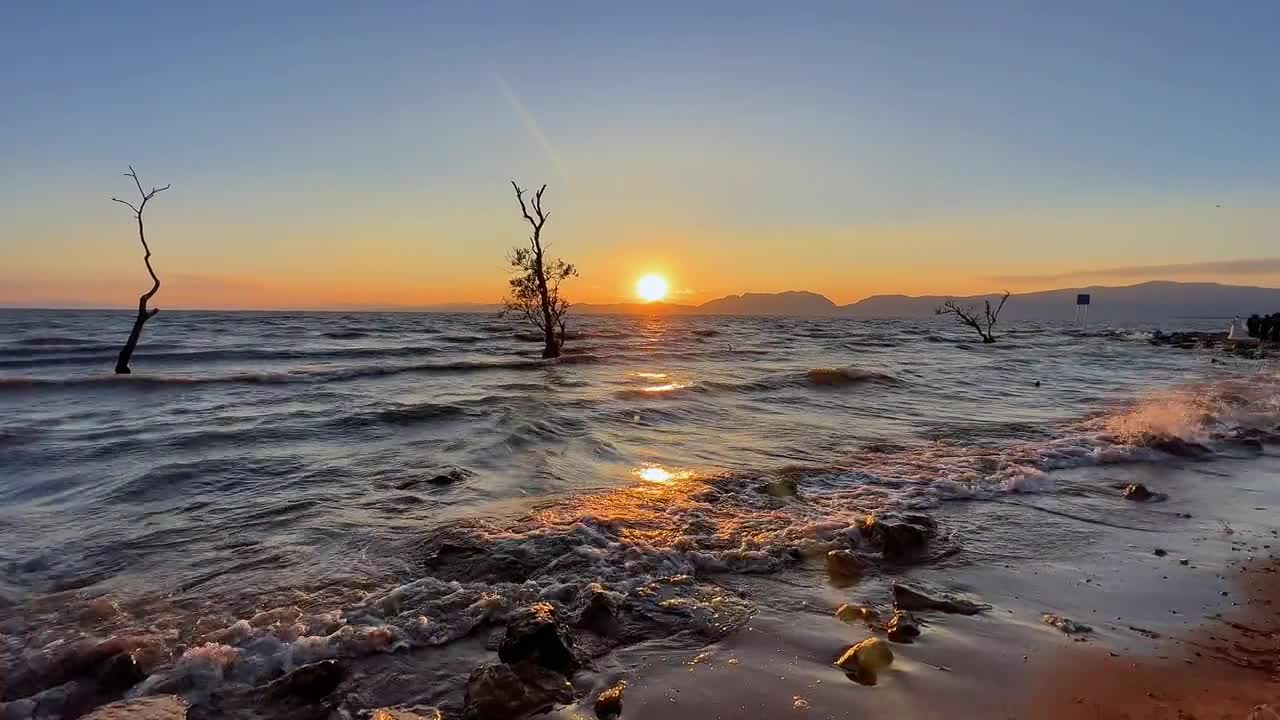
(983, 324)
(144, 313)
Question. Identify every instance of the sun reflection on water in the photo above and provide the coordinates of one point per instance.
(660, 475)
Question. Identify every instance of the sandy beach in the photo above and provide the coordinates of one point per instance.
(1166, 640)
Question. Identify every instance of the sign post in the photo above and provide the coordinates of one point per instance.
(1082, 309)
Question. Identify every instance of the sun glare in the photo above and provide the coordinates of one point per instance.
(651, 288)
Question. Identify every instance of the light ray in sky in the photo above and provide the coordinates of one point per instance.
(535, 130)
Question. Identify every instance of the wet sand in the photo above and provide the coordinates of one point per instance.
(1167, 640)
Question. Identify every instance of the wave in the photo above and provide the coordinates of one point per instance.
(276, 378)
(42, 341)
(345, 334)
(846, 376)
(403, 415)
(101, 355)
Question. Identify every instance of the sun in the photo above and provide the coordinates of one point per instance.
(651, 288)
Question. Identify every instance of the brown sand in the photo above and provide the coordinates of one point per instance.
(1226, 668)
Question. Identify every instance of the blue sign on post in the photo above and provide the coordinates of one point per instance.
(1082, 299)
(1082, 302)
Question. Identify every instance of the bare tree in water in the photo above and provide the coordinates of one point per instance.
(535, 288)
(144, 314)
(969, 315)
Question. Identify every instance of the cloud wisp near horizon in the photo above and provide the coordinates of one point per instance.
(1225, 269)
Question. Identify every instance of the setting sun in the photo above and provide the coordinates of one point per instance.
(651, 288)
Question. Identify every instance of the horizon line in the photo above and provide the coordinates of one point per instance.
(461, 307)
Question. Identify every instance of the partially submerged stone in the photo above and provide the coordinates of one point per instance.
(609, 703)
(909, 598)
(781, 487)
(866, 659)
(854, 613)
(902, 627)
(308, 683)
(600, 613)
(1137, 492)
(508, 692)
(156, 707)
(844, 565)
(535, 633)
(404, 713)
(1066, 625)
(119, 673)
(898, 538)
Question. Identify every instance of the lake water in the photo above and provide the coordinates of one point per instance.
(385, 482)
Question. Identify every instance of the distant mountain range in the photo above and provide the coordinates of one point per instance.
(1147, 301)
(1150, 301)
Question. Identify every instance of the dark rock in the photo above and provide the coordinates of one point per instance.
(1184, 561)
(600, 614)
(1138, 492)
(156, 707)
(119, 673)
(1187, 340)
(1066, 625)
(450, 476)
(415, 712)
(508, 692)
(1252, 444)
(781, 487)
(1159, 552)
(902, 627)
(908, 598)
(844, 566)
(309, 683)
(80, 659)
(898, 539)
(1176, 446)
(535, 633)
(609, 702)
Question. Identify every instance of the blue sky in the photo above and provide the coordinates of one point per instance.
(327, 150)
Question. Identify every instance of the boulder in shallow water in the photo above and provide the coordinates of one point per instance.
(844, 565)
(1177, 447)
(308, 683)
(1137, 492)
(157, 707)
(854, 613)
(864, 660)
(1066, 625)
(902, 627)
(416, 712)
(535, 633)
(600, 613)
(119, 673)
(609, 703)
(781, 487)
(450, 476)
(898, 538)
(909, 598)
(508, 692)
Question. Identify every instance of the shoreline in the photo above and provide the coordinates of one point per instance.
(1164, 639)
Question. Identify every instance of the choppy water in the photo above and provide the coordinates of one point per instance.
(391, 481)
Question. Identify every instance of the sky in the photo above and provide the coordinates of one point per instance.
(337, 154)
